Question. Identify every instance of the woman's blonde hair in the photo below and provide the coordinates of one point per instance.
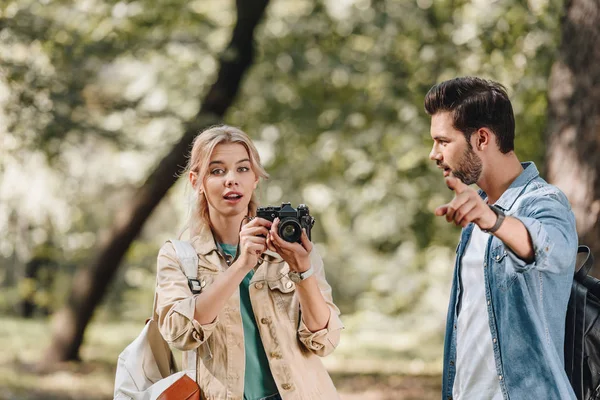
(199, 159)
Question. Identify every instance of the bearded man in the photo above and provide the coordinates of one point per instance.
(514, 262)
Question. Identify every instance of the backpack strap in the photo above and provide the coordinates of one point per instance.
(188, 260)
(576, 324)
(586, 265)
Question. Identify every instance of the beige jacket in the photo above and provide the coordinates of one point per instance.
(292, 350)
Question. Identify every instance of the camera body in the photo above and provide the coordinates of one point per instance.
(291, 220)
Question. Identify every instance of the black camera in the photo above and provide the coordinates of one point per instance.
(291, 220)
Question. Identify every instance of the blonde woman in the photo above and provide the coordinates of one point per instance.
(259, 335)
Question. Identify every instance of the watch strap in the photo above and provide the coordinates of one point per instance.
(307, 274)
(500, 214)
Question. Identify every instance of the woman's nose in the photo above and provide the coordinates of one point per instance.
(230, 179)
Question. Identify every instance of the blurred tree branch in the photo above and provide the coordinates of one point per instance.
(90, 284)
(573, 153)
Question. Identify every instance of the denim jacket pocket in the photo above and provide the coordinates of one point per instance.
(283, 293)
(503, 271)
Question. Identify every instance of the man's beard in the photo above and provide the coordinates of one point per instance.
(469, 167)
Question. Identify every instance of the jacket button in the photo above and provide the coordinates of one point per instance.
(265, 321)
(258, 285)
(286, 386)
(289, 285)
(276, 355)
(203, 283)
(494, 340)
(500, 377)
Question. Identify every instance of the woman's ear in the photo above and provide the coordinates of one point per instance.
(193, 177)
(256, 183)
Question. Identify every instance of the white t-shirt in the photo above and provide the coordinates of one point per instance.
(476, 376)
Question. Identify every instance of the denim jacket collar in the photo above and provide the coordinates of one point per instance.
(516, 188)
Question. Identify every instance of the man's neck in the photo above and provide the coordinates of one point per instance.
(227, 229)
(499, 174)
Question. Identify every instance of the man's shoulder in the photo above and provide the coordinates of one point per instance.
(540, 193)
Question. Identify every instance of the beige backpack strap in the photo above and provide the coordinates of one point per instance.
(188, 260)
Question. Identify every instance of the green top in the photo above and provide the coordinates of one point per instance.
(258, 380)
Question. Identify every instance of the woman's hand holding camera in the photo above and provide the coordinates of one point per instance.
(295, 254)
(253, 242)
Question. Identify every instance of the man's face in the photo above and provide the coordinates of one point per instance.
(451, 151)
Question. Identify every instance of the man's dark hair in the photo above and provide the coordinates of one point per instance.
(475, 103)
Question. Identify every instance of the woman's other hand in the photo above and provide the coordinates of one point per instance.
(295, 254)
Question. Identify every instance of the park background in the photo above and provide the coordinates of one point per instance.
(100, 100)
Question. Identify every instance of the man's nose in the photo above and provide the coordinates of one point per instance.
(434, 154)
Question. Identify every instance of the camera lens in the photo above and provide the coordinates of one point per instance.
(290, 230)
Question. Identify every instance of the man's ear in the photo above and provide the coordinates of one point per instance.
(483, 137)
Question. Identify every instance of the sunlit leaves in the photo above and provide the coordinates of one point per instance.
(334, 102)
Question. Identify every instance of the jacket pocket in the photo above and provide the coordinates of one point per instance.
(283, 293)
(502, 269)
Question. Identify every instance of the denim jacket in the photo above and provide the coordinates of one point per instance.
(526, 303)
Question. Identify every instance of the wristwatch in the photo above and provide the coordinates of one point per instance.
(500, 214)
(300, 276)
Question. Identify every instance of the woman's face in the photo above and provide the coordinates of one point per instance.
(230, 181)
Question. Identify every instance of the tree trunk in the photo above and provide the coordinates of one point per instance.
(573, 153)
(90, 284)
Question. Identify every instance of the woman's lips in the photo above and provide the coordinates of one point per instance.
(233, 197)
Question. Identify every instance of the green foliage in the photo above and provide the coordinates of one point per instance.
(334, 102)
(342, 89)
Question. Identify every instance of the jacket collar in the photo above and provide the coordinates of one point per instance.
(516, 188)
(205, 245)
(203, 239)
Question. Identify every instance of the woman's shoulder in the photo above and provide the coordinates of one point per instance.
(167, 249)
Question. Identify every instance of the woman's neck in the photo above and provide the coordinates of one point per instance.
(227, 229)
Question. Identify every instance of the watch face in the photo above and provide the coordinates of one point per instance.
(294, 276)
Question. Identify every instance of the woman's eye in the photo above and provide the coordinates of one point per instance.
(216, 171)
(243, 169)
